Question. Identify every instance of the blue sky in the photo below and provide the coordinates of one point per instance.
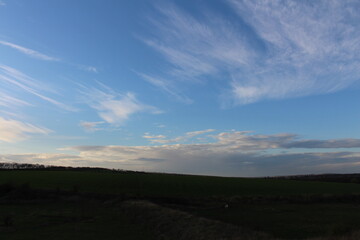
(231, 88)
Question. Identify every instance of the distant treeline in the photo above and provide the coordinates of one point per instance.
(341, 178)
(28, 166)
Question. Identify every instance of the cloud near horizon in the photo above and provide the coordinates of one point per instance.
(164, 140)
(235, 153)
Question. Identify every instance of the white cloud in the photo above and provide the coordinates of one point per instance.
(195, 49)
(13, 130)
(167, 159)
(2, 3)
(310, 48)
(119, 110)
(115, 108)
(167, 86)
(6, 100)
(19, 79)
(12, 78)
(57, 159)
(147, 136)
(11, 114)
(196, 133)
(164, 140)
(271, 50)
(245, 141)
(235, 153)
(91, 126)
(92, 69)
(29, 52)
(87, 68)
(41, 56)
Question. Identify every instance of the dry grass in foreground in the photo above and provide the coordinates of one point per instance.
(177, 225)
(351, 236)
(173, 224)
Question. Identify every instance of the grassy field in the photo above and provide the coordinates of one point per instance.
(170, 185)
(81, 204)
(289, 221)
(62, 220)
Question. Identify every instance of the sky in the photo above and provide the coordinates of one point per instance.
(211, 87)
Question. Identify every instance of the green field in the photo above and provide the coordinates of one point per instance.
(87, 204)
(169, 185)
(289, 221)
(68, 220)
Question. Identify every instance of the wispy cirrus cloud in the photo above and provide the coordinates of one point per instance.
(14, 80)
(270, 50)
(35, 54)
(6, 100)
(167, 86)
(195, 49)
(113, 107)
(12, 130)
(310, 48)
(2, 3)
(28, 51)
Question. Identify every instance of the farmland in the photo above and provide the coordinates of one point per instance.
(154, 184)
(69, 204)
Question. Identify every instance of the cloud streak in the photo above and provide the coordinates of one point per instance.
(180, 139)
(268, 50)
(310, 48)
(29, 52)
(13, 130)
(15, 80)
(246, 141)
(168, 87)
(6, 100)
(91, 126)
(35, 54)
(115, 108)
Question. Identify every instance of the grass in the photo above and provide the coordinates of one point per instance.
(289, 221)
(68, 220)
(282, 208)
(170, 185)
